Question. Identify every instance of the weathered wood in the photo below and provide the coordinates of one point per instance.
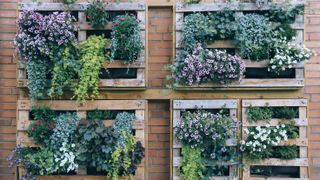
(274, 178)
(122, 83)
(280, 162)
(202, 7)
(90, 105)
(204, 104)
(230, 142)
(275, 102)
(274, 122)
(140, 6)
(177, 160)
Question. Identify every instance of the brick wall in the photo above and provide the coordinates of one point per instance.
(8, 92)
(312, 90)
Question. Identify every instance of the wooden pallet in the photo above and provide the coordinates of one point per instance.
(139, 125)
(139, 82)
(295, 82)
(302, 141)
(178, 107)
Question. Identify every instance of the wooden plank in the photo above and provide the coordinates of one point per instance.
(121, 83)
(201, 7)
(177, 160)
(230, 142)
(90, 105)
(83, 26)
(275, 122)
(275, 102)
(280, 162)
(120, 64)
(24, 140)
(204, 104)
(275, 178)
(123, 6)
(297, 142)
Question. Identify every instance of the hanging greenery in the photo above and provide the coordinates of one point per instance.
(126, 39)
(97, 14)
(92, 57)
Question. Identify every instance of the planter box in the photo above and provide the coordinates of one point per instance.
(139, 126)
(256, 72)
(301, 122)
(138, 68)
(181, 105)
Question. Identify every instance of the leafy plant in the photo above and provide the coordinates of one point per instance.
(42, 128)
(286, 152)
(285, 12)
(126, 38)
(259, 113)
(222, 25)
(204, 66)
(92, 57)
(69, 2)
(285, 112)
(284, 31)
(37, 72)
(191, 1)
(253, 36)
(97, 14)
(191, 163)
(99, 115)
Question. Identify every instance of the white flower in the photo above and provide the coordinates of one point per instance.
(246, 130)
(268, 125)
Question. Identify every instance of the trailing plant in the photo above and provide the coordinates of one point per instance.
(253, 37)
(284, 12)
(259, 113)
(286, 152)
(192, 164)
(95, 144)
(62, 142)
(222, 25)
(287, 54)
(97, 14)
(195, 30)
(284, 31)
(208, 133)
(42, 128)
(126, 38)
(37, 72)
(64, 71)
(191, 1)
(123, 122)
(204, 66)
(285, 112)
(92, 57)
(261, 139)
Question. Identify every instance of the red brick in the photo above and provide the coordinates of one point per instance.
(8, 114)
(7, 137)
(8, 29)
(8, 99)
(312, 82)
(312, 28)
(8, 6)
(7, 21)
(6, 44)
(6, 36)
(8, 82)
(312, 89)
(8, 14)
(7, 130)
(6, 52)
(8, 74)
(314, 20)
(314, 36)
(5, 59)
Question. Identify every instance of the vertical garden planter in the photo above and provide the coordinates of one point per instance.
(181, 105)
(256, 75)
(139, 107)
(121, 76)
(302, 142)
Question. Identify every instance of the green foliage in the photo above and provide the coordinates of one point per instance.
(284, 31)
(191, 1)
(222, 25)
(123, 122)
(91, 61)
(97, 14)
(195, 30)
(254, 36)
(64, 70)
(99, 115)
(285, 112)
(43, 161)
(69, 2)
(42, 128)
(37, 71)
(286, 152)
(95, 144)
(285, 12)
(259, 113)
(191, 163)
(126, 39)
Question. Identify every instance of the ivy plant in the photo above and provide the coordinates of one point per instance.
(126, 38)
(97, 14)
(222, 25)
(259, 113)
(192, 164)
(284, 12)
(92, 57)
(253, 37)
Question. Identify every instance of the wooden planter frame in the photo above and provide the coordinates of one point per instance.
(140, 64)
(139, 125)
(245, 84)
(178, 107)
(302, 141)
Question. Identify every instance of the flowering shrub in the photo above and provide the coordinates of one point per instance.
(97, 14)
(208, 133)
(205, 65)
(287, 54)
(30, 42)
(260, 140)
(126, 38)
